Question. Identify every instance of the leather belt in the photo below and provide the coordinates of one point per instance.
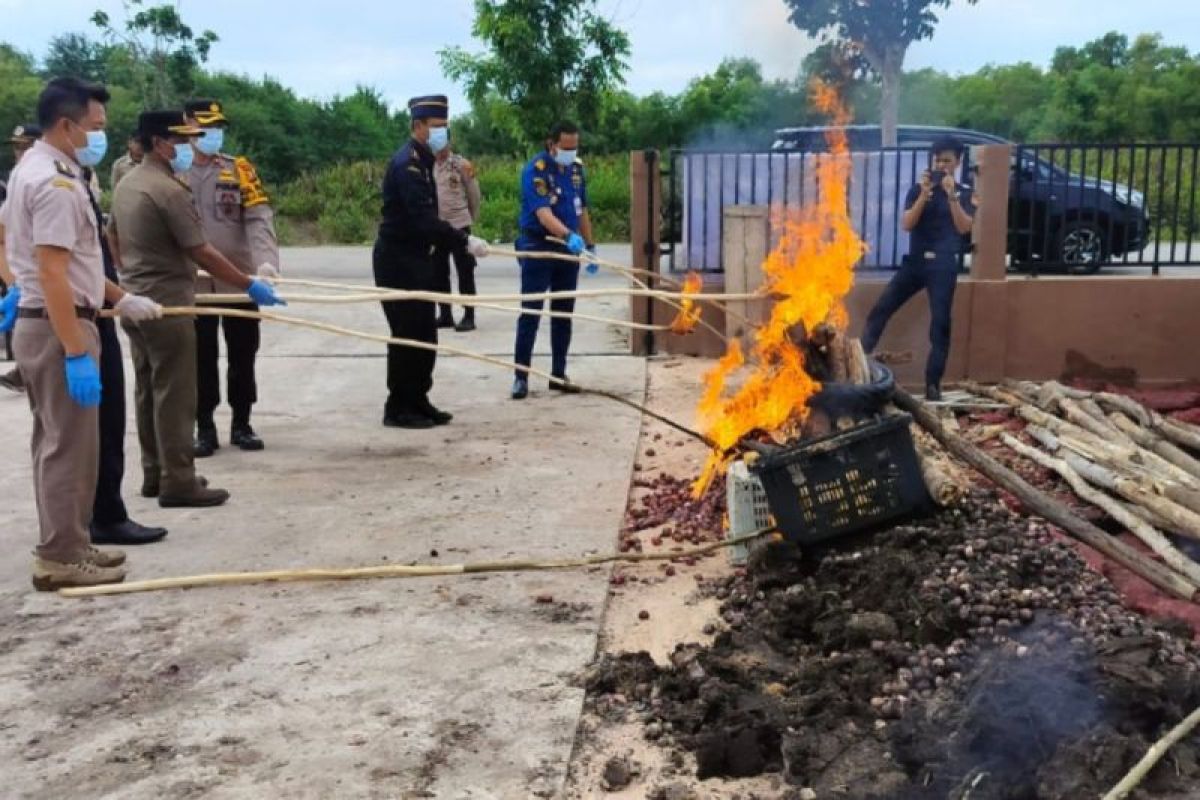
(41, 313)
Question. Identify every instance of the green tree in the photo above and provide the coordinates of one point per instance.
(880, 32)
(76, 55)
(159, 50)
(1009, 101)
(548, 59)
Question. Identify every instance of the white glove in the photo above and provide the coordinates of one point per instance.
(268, 271)
(136, 308)
(477, 247)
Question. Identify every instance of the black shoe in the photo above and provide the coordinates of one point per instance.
(445, 319)
(206, 442)
(467, 324)
(566, 387)
(933, 393)
(12, 381)
(128, 533)
(520, 389)
(438, 416)
(411, 420)
(243, 436)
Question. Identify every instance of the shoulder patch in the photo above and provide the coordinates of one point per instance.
(540, 164)
(63, 169)
(253, 192)
(539, 186)
(63, 183)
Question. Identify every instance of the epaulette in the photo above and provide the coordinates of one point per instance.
(63, 169)
(253, 192)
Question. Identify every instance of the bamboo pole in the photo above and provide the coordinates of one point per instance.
(1161, 546)
(416, 295)
(395, 570)
(1153, 756)
(188, 311)
(1044, 506)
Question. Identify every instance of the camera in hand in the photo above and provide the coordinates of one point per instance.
(936, 177)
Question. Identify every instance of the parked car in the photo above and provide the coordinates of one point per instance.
(1055, 216)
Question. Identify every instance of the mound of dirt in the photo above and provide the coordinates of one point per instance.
(968, 655)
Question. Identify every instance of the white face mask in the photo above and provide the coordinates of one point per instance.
(566, 157)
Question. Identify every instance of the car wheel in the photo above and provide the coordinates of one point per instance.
(1081, 247)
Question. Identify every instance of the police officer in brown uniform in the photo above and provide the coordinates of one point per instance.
(23, 137)
(49, 229)
(238, 221)
(157, 239)
(459, 199)
(133, 157)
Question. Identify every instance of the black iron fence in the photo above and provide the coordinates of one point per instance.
(1073, 208)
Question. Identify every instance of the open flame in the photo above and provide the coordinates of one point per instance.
(808, 275)
(689, 312)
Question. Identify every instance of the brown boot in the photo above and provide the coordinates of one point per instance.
(104, 558)
(198, 495)
(49, 576)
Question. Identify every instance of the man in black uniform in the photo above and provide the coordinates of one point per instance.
(403, 259)
(938, 213)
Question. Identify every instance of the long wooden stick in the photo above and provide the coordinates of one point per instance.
(400, 295)
(396, 571)
(1162, 546)
(189, 311)
(1153, 756)
(1042, 505)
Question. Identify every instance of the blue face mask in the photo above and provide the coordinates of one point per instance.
(93, 152)
(182, 161)
(211, 141)
(439, 138)
(565, 157)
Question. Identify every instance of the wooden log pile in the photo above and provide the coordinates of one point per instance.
(1139, 467)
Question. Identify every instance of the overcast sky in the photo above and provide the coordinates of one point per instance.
(322, 49)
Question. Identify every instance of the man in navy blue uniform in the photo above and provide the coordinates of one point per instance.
(938, 213)
(554, 203)
(403, 259)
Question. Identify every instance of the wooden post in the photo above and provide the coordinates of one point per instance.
(645, 229)
(745, 243)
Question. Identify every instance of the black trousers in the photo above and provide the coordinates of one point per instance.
(464, 265)
(409, 370)
(242, 338)
(108, 507)
(937, 277)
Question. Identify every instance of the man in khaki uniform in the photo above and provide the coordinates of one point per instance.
(237, 217)
(157, 239)
(458, 203)
(133, 157)
(50, 233)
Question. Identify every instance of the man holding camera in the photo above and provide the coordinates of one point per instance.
(938, 213)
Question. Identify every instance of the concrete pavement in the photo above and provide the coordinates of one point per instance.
(449, 688)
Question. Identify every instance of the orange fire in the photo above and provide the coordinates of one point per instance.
(689, 313)
(808, 275)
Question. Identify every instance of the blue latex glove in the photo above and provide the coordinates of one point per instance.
(263, 294)
(592, 267)
(83, 380)
(575, 244)
(8, 309)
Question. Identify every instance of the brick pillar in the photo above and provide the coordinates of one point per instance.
(987, 342)
(645, 234)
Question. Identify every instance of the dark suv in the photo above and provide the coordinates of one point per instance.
(1055, 216)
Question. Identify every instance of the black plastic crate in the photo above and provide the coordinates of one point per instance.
(844, 483)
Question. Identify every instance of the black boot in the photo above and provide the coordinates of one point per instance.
(933, 393)
(468, 321)
(206, 440)
(564, 385)
(438, 416)
(445, 318)
(243, 436)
